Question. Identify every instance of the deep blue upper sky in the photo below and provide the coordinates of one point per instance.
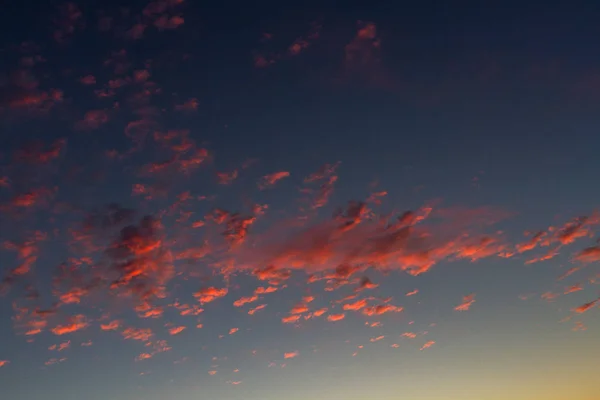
(484, 111)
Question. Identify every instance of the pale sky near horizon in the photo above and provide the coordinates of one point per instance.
(210, 201)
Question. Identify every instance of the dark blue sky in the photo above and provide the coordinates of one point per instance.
(480, 118)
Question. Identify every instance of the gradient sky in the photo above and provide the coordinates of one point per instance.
(385, 200)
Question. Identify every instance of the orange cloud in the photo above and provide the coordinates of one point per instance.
(574, 288)
(381, 309)
(143, 356)
(142, 335)
(141, 258)
(289, 355)
(111, 326)
(366, 283)
(532, 243)
(147, 311)
(466, 303)
(61, 346)
(428, 345)
(176, 330)
(413, 248)
(586, 306)
(262, 290)
(290, 319)
(257, 308)
(588, 255)
(73, 296)
(76, 323)
(319, 312)
(549, 296)
(297, 47)
(53, 361)
(336, 317)
(210, 294)
(579, 326)
(360, 304)
(245, 300)
(299, 309)
(35, 327)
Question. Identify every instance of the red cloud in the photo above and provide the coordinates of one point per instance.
(93, 119)
(164, 22)
(226, 178)
(31, 198)
(189, 105)
(88, 80)
(35, 152)
(270, 180)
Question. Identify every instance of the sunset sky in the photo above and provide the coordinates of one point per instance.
(381, 200)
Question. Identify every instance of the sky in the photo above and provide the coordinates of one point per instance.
(374, 200)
